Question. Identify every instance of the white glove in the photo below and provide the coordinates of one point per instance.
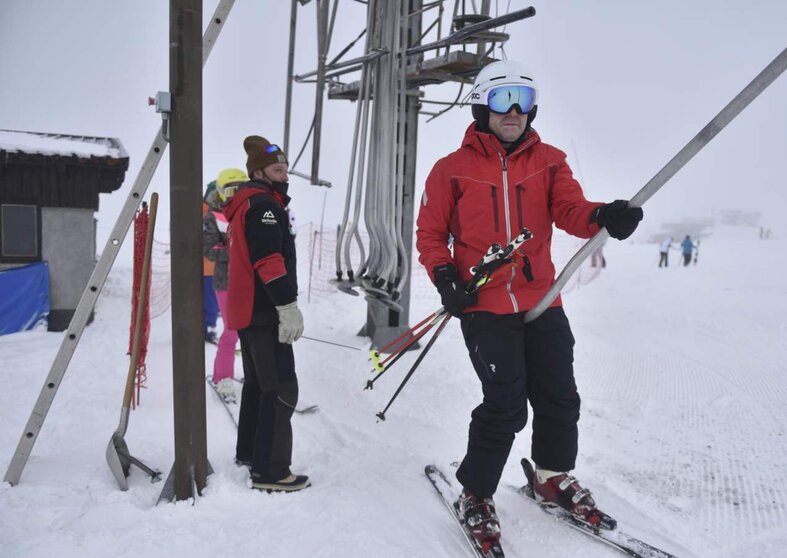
(290, 323)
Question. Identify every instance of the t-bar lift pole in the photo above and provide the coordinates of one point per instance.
(727, 115)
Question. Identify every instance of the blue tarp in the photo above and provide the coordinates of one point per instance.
(24, 297)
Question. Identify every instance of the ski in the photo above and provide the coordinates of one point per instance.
(234, 408)
(495, 258)
(303, 410)
(449, 494)
(609, 535)
(209, 381)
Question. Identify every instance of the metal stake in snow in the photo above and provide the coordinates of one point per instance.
(727, 114)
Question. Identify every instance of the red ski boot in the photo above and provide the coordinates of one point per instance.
(564, 490)
(480, 520)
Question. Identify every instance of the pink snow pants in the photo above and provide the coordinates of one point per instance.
(224, 364)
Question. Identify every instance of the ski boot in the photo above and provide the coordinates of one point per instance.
(565, 491)
(226, 389)
(480, 520)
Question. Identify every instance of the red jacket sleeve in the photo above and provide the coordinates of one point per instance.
(434, 217)
(569, 209)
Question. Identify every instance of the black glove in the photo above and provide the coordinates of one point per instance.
(452, 291)
(618, 218)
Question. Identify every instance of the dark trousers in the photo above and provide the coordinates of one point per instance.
(663, 259)
(517, 362)
(268, 399)
(686, 259)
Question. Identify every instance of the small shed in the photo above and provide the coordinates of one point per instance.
(49, 194)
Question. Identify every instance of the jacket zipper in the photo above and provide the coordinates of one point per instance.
(506, 204)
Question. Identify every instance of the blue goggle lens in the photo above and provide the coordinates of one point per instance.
(501, 99)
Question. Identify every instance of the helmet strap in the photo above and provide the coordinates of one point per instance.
(481, 116)
(530, 117)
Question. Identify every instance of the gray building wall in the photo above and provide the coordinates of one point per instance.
(68, 237)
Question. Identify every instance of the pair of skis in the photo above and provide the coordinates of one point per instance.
(613, 537)
(233, 408)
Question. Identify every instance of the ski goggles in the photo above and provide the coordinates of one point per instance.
(503, 98)
(229, 190)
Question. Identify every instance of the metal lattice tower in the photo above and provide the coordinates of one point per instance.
(386, 82)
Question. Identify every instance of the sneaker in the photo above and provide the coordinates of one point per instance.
(479, 519)
(291, 483)
(226, 390)
(564, 490)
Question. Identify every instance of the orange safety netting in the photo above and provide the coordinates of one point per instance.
(140, 232)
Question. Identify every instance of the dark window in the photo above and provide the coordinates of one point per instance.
(19, 232)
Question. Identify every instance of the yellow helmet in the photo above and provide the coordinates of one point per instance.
(229, 176)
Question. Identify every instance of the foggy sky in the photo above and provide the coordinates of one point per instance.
(622, 87)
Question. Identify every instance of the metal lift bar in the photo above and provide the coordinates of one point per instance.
(96, 282)
(462, 34)
(759, 84)
(352, 65)
(290, 66)
(322, 54)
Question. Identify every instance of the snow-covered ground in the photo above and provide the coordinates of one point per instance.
(682, 436)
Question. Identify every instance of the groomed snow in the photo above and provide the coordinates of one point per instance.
(682, 436)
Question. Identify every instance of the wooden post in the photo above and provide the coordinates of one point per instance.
(188, 343)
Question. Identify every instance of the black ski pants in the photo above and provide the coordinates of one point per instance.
(516, 363)
(268, 399)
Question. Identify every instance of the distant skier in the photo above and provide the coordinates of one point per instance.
(664, 249)
(688, 248)
(504, 178)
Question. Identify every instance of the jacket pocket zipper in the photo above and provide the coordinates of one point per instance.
(494, 208)
(519, 190)
(527, 269)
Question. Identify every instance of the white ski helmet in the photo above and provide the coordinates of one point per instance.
(500, 86)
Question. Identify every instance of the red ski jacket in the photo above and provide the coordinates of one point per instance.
(479, 195)
(262, 256)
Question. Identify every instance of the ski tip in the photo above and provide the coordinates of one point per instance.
(527, 467)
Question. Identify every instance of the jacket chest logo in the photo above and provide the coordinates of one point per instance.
(268, 218)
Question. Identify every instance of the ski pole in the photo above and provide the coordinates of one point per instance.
(405, 334)
(370, 383)
(415, 332)
(381, 414)
(492, 261)
(716, 125)
(330, 343)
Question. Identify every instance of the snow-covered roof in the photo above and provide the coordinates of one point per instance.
(14, 141)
